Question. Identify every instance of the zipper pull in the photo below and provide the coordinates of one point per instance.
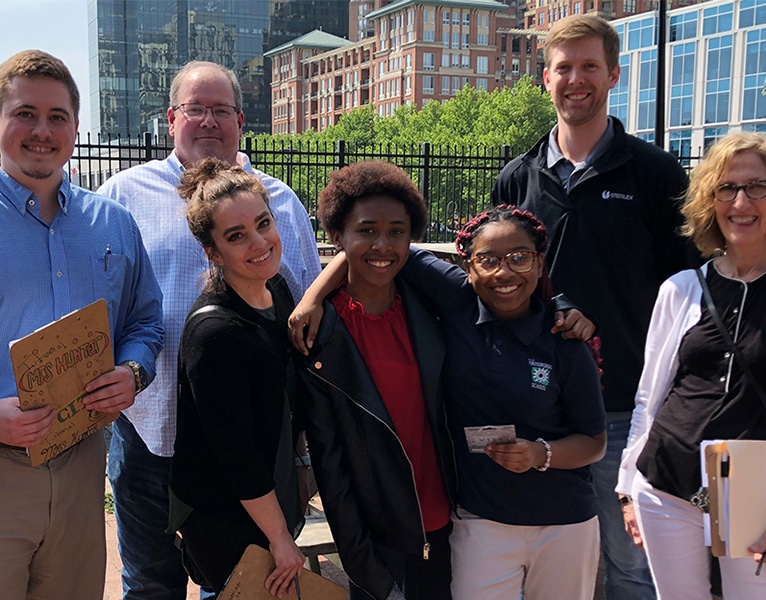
(426, 550)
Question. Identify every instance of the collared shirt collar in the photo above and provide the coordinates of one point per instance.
(19, 195)
(243, 160)
(554, 150)
(525, 329)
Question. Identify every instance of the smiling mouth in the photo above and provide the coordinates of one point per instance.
(262, 258)
(380, 264)
(506, 289)
(742, 220)
(577, 97)
(38, 149)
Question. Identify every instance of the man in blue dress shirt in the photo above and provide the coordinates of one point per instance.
(64, 248)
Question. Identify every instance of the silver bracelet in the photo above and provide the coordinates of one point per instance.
(548, 454)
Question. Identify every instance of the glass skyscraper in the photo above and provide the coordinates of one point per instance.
(137, 46)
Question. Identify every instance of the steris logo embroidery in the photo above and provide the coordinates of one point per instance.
(607, 195)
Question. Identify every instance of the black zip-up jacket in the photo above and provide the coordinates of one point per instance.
(364, 477)
(613, 239)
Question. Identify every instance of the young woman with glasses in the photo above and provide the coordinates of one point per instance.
(527, 516)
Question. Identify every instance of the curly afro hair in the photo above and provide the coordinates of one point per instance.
(360, 180)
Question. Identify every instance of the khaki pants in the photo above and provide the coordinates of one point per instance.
(495, 561)
(52, 544)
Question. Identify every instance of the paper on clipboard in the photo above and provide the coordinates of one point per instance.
(246, 580)
(737, 499)
(53, 364)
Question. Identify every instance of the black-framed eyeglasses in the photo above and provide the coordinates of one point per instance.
(519, 261)
(755, 190)
(194, 111)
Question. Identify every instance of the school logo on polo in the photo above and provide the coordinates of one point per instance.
(541, 374)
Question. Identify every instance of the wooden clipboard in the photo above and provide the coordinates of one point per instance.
(737, 495)
(246, 580)
(52, 365)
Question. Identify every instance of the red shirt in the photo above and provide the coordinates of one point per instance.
(384, 343)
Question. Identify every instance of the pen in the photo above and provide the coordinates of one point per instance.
(107, 252)
(760, 563)
(298, 585)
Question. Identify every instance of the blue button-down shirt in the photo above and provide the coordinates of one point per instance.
(48, 271)
(149, 193)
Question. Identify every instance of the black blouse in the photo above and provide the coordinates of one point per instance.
(710, 397)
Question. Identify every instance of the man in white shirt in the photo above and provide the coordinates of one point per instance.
(205, 119)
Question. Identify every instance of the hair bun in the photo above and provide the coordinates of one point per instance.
(199, 174)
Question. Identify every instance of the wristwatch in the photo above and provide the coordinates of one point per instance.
(138, 373)
(624, 500)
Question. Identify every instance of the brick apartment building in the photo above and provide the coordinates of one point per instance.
(415, 51)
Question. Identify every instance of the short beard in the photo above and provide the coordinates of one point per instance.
(39, 173)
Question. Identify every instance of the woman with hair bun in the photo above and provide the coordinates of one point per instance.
(233, 477)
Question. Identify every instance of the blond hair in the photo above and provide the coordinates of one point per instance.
(578, 27)
(699, 204)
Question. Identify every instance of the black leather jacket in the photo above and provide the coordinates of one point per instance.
(365, 479)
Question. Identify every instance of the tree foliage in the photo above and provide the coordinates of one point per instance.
(515, 117)
(465, 132)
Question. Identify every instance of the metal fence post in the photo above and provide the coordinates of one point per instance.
(147, 146)
(340, 150)
(425, 164)
(505, 154)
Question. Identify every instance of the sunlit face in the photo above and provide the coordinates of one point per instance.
(578, 80)
(247, 244)
(38, 129)
(207, 137)
(743, 220)
(506, 294)
(376, 238)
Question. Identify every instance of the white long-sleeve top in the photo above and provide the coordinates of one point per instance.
(677, 309)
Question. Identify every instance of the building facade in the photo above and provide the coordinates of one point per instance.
(137, 46)
(715, 73)
(419, 51)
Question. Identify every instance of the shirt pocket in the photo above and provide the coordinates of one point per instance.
(111, 279)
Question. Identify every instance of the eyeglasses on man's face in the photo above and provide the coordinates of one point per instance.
(755, 190)
(519, 261)
(196, 112)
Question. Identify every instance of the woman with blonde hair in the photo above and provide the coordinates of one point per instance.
(695, 386)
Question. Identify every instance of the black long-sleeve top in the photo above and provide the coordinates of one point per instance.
(231, 401)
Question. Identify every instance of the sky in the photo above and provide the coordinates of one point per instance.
(59, 27)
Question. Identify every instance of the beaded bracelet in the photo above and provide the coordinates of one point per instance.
(548, 454)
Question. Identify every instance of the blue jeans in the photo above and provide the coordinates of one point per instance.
(627, 571)
(151, 564)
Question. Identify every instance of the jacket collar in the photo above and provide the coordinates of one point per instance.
(351, 375)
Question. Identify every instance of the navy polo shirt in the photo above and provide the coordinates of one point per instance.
(500, 372)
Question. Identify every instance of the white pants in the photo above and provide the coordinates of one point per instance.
(674, 541)
(494, 561)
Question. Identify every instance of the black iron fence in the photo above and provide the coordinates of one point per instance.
(455, 181)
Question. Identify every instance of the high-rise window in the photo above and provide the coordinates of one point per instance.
(647, 89)
(718, 19)
(718, 79)
(619, 96)
(428, 84)
(482, 65)
(754, 102)
(682, 83)
(428, 61)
